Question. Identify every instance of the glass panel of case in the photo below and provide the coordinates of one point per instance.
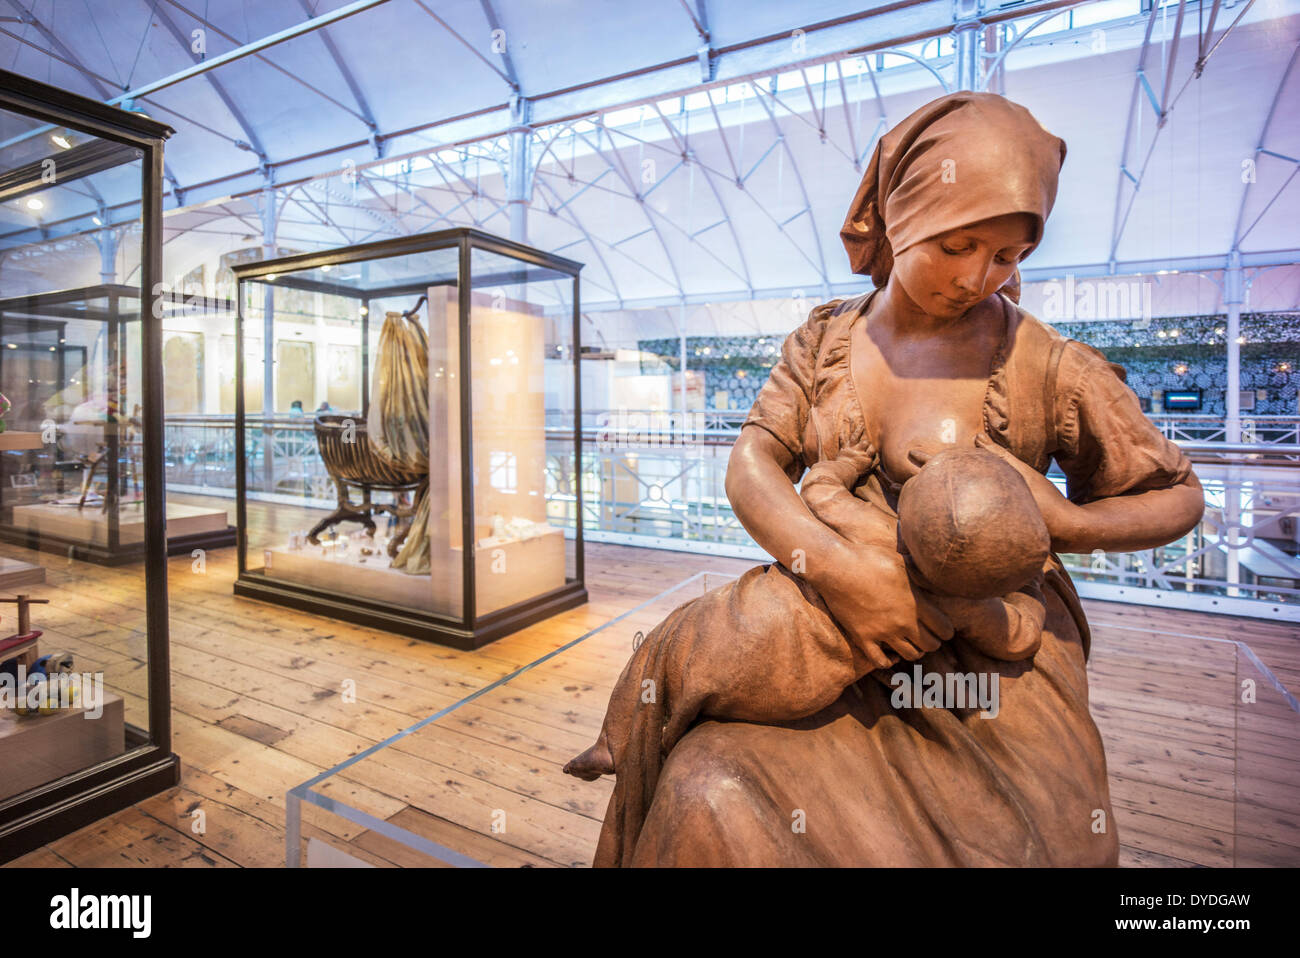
(73, 665)
(522, 433)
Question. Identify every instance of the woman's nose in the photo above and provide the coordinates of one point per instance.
(972, 280)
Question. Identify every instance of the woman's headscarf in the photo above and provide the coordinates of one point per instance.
(962, 158)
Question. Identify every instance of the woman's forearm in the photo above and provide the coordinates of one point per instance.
(1132, 523)
(770, 508)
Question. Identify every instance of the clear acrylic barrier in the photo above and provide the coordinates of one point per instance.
(1201, 743)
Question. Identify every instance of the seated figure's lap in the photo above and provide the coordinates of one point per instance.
(714, 806)
(858, 784)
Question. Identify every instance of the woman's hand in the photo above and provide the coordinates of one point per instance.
(868, 591)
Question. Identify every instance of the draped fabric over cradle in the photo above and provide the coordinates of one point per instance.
(399, 422)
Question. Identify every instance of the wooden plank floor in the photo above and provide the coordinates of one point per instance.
(258, 708)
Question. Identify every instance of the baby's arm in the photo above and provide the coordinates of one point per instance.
(827, 492)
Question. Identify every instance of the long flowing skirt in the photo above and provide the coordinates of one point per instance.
(859, 781)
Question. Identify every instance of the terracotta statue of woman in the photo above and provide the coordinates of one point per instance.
(711, 768)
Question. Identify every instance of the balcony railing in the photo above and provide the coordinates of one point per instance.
(652, 480)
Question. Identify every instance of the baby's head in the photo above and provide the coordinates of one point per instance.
(971, 525)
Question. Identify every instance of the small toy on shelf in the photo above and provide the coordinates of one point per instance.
(49, 671)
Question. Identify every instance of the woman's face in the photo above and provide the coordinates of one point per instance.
(947, 274)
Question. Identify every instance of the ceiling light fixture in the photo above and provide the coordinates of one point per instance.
(35, 204)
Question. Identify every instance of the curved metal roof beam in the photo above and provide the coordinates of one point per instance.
(265, 59)
(717, 195)
(474, 191)
(1237, 234)
(254, 143)
(550, 148)
(321, 213)
(1115, 228)
(595, 245)
(621, 172)
(412, 190)
(469, 46)
(96, 79)
(912, 56)
(794, 167)
(1001, 55)
(100, 84)
(848, 117)
(367, 115)
(821, 132)
(684, 149)
(1163, 109)
(576, 220)
(577, 224)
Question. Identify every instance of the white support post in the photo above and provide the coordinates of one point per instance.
(107, 240)
(519, 180)
(269, 219)
(1233, 294)
(965, 14)
(681, 386)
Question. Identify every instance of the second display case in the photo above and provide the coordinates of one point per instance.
(448, 506)
(71, 368)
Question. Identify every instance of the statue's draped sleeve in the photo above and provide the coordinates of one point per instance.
(1106, 445)
(783, 404)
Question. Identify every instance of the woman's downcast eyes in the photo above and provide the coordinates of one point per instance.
(968, 248)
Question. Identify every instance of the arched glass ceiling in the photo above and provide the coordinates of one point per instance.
(672, 189)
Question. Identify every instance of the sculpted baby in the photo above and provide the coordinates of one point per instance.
(973, 538)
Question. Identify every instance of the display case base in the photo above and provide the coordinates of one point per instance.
(418, 625)
(535, 566)
(202, 530)
(47, 814)
(14, 574)
(35, 749)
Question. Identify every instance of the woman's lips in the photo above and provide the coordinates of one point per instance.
(957, 303)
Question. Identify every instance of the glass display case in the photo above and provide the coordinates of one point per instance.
(70, 364)
(441, 496)
(85, 710)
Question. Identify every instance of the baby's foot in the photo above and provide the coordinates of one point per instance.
(591, 764)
